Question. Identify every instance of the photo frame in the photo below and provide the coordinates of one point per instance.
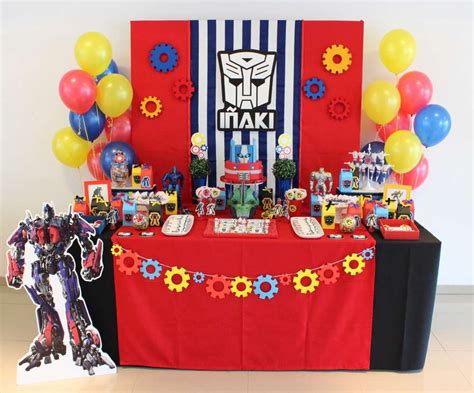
(396, 192)
(102, 188)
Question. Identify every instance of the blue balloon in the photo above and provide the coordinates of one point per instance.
(111, 69)
(88, 125)
(432, 124)
(108, 154)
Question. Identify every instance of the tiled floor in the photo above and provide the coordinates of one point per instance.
(449, 366)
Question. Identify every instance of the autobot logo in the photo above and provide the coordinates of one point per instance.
(247, 78)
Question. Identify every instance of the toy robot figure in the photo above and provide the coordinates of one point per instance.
(51, 236)
(113, 217)
(317, 182)
(173, 181)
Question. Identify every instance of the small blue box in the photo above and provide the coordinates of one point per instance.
(316, 206)
(221, 201)
(345, 180)
(129, 210)
(380, 212)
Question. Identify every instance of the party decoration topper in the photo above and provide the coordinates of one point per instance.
(334, 53)
(314, 88)
(164, 57)
(144, 104)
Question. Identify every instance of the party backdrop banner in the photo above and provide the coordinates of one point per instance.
(251, 80)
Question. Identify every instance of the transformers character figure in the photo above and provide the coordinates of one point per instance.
(51, 236)
(173, 181)
(317, 182)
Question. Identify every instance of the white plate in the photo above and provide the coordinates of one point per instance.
(307, 227)
(178, 225)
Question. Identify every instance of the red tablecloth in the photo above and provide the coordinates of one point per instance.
(327, 329)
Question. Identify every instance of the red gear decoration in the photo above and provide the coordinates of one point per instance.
(332, 278)
(212, 291)
(285, 280)
(183, 89)
(338, 102)
(127, 268)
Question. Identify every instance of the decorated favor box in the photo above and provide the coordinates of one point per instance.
(392, 207)
(171, 206)
(80, 206)
(147, 176)
(406, 210)
(345, 180)
(328, 215)
(117, 203)
(221, 200)
(129, 210)
(295, 198)
(355, 210)
(316, 206)
(155, 214)
(136, 176)
(99, 206)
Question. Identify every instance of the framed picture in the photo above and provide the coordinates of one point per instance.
(98, 188)
(396, 192)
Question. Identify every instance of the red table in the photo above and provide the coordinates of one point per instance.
(327, 329)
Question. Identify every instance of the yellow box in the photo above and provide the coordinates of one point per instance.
(172, 206)
(328, 216)
(136, 176)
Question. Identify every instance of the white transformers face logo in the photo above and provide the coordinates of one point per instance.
(247, 79)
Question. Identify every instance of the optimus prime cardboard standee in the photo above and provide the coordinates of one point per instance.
(173, 182)
(51, 236)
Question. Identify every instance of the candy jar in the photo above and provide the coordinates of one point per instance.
(119, 170)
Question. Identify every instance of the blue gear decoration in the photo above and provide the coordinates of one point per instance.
(204, 148)
(157, 269)
(314, 95)
(171, 57)
(257, 284)
(198, 277)
(367, 254)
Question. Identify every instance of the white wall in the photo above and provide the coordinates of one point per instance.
(37, 49)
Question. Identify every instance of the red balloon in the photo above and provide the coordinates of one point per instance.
(415, 90)
(93, 162)
(119, 128)
(401, 122)
(416, 176)
(78, 90)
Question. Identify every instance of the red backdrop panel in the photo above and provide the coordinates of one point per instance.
(325, 142)
(164, 140)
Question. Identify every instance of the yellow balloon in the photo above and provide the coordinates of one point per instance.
(69, 148)
(404, 151)
(381, 101)
(93, 52)
(397, 50)
(114, 94)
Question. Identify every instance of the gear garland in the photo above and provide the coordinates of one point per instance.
(218, 286)
(155, 266)
(147, 113)
(182, 284)
(183, 89)
(353, 271)
(128, 262)
(163, 57)
(367, 254)
(237, 282)
(116, 250)
(308, 88)
(265, 279)
(337, 59)
(198, 277)
(339, 108)
(330, 278)
(219, 293)
(308, 275)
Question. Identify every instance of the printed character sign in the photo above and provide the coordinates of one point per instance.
(53, 285)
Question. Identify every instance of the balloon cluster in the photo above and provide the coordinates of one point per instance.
(392, 108)
(98, 98)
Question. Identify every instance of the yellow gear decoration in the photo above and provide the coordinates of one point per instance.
(198, 139)
(146, 112)
(284, 140)
(353, 258)
(116, 250)
(177, 271)
(307, 273)
(345, 59)
(234, 286)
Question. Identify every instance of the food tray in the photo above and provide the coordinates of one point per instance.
(178, 225)
(399, 235)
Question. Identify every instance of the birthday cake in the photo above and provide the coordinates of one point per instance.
(242, 165)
